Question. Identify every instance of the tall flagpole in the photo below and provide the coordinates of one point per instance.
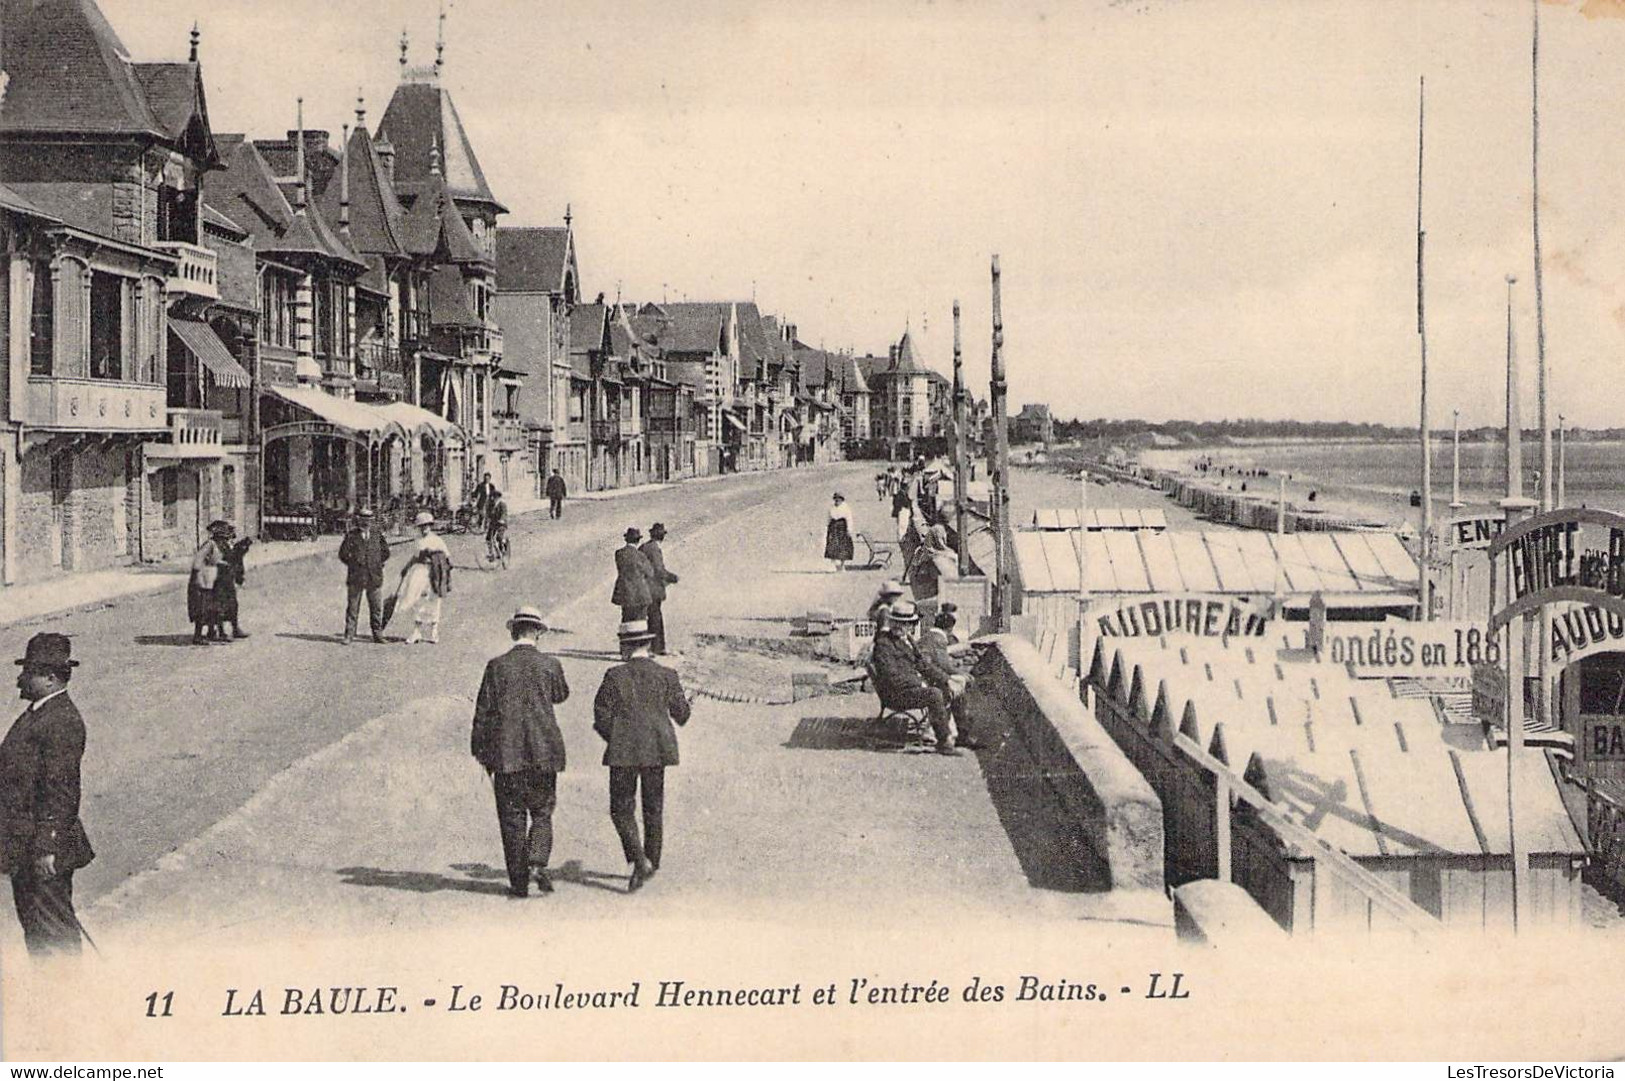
(961, 452)
(1422, 337)
(1540, 297)
(1001, 468)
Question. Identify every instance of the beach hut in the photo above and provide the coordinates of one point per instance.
(1359, 575)
(1334, 802)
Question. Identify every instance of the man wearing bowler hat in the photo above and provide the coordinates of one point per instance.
(634, 579)
(364, 553)
(659, 579)
(42, 841)
(517, 739)
(633, 713)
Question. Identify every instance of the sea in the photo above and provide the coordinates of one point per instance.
(1383, 475)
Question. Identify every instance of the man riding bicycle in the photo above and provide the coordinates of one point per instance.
(496, 527)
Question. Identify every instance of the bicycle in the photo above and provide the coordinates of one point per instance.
(497, 547)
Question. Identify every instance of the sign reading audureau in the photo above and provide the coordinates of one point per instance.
(1401, 648)
(1192, 614)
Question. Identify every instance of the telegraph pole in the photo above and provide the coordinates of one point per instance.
(1422, 336)
(1001, 468)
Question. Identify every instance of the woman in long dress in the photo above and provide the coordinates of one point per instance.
(838, 534)
(425, 580)
(202, 607)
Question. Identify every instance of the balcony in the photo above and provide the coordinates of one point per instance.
(196, 271)
(606, 431)
(193, 433)
(415, 325)
(379, 367)
(94, 405)
(507, 432)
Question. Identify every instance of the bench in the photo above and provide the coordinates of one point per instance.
(880, 552)
(915, 720)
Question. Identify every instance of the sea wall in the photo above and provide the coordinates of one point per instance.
(1117, 813)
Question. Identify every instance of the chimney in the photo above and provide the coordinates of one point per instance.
(434, 156)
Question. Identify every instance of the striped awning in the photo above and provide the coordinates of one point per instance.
(202, 342)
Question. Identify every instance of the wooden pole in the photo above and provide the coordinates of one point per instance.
(1001, 465)
(1542, 373)
(1455, 509)
(1562, 461)
(961, 451)
(1422, 337)
(1514, 417)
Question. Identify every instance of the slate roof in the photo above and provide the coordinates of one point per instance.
(688, 327)
(422, 115)
(377, 219)
(753, 348)
(14, 202)
(248, 194)
(586, 328)
(434, 226)
(448, 299)
(534, 260)
(70, 74)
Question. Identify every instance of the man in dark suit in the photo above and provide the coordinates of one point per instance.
(42, 841)
(364, 552)
(517, 739)
(555, 495)
(900, 676)
(633, 712)
(634, 579)
(659, 579)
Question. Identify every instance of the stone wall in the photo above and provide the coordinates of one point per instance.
(1117, 813)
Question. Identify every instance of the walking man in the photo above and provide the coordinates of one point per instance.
(364, 552)
(634, 579)
(555, 495)
(517, 739)
(633, 713)
(42, 841)
(659, 579)
(482, 496)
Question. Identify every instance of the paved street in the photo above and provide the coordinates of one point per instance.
(286, 781)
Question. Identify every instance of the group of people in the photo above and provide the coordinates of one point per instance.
(211, 588)
(516, 737)
(641, 579)
(914, 672)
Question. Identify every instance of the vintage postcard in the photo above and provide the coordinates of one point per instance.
(729, 530)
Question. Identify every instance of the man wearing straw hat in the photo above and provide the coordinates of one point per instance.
(517, 739)
(42, 841)
(633, 712)
(901, 680)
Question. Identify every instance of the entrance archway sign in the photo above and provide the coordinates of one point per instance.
(1573, 555)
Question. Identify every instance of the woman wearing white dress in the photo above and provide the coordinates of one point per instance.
(425, 580)
(838, 534)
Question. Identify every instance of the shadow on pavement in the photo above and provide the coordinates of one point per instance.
(842, 734)
(418, 881)
(588, 654)
(1051, 845)
(572, 872)
(164, 639)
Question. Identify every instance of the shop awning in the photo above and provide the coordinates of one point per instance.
(414, 418)
(202, 342)
(351, 416)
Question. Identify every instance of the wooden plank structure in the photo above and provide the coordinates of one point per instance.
(1354, 572)
(1098, 518)
(1335, 802)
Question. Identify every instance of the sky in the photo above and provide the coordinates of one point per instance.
(1202, 209)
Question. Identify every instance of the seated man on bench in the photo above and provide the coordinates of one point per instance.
(901, 680)
(943, 670)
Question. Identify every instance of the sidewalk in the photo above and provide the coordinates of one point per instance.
(780, 811)
(35, 601)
